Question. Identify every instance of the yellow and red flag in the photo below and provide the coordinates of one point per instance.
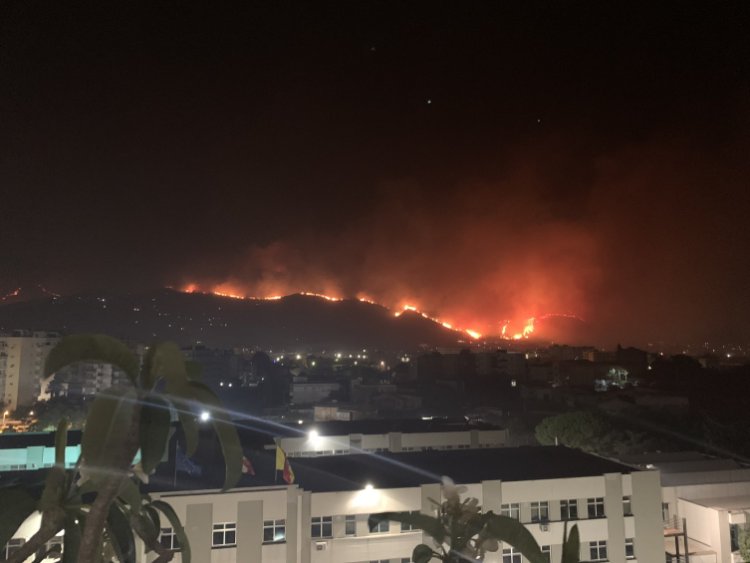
(282, 464)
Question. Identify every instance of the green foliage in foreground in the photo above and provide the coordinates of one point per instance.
(98, 503)
(462, 532)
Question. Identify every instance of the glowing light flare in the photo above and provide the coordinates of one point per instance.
(473, 333)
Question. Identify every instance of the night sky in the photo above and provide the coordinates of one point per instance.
(483, 161)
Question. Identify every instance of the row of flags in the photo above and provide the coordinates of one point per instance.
(185, 464)
(282, 464)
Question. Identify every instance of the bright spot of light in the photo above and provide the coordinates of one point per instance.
(204, 416)
(313, 435)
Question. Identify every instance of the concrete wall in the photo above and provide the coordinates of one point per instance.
(709, 526)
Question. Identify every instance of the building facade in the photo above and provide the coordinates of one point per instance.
(618, 517)
(22, 357)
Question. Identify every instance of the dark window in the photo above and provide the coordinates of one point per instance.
(321, 527)
(569, 509)
(629, 548)
(596, 507)
(512, 510)
(224, 533)
(598, 550)
(350, 525)
(540, 511)
(168, 539)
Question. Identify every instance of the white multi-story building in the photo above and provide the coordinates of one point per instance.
(322, 518)
(705, 505)
(22, 357)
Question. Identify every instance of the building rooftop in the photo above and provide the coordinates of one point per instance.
(258, 432)
(13, 440)
(412, 469)
(737, 503)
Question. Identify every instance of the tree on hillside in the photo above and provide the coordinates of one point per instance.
(98, 503)
(593, 432)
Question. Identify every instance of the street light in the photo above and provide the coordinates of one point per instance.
(204, 416)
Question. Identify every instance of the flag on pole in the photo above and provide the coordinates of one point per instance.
(283, 465)
(247, 467)
(280, 458)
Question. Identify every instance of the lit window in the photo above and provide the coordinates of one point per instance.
(596, 507)
(350, 525)
(321, 527)
(168, 539)
(540, 511)
(224, 533)
(569, 509)
(629, 548)
(598, 550)
(511, 556)
(512, 510)
(627, 507)
(382, 526)
(274, 531)
(547, 553)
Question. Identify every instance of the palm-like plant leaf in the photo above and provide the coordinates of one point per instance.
(509, 530)
(182, 538)
(154, 432)
(421, 554)
(92, 347)
(120, 534)
(109, 422)
(225, 430)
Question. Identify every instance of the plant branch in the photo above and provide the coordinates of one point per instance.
(97, 515)
(152, 543)
(53, 521)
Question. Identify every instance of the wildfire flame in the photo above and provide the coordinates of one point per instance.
(13, 293)
(225, 291)
(508, 329)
